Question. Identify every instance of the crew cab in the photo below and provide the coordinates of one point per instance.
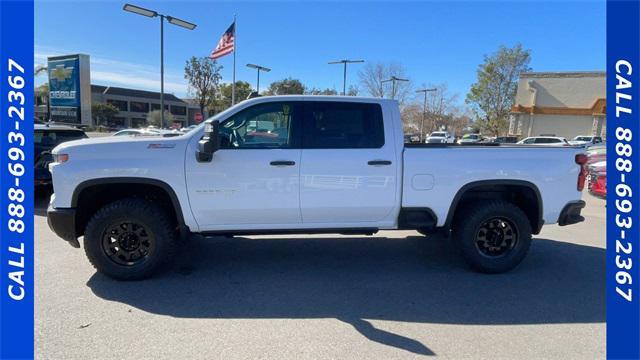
(305, 164)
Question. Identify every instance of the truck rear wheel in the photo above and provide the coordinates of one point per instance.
(129, 239)
(493, 236)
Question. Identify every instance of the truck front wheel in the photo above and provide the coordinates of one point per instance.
(493, 236)
(129, 239)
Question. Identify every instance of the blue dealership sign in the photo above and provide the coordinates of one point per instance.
(64, 81)
(70, 89)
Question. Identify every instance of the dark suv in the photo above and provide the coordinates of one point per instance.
(45, 138)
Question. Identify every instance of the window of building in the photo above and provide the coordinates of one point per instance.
(121, 105)
(157, 107)
(138, 122)
(137, 106)
(117, 122)
(336, 125)
(178, 110)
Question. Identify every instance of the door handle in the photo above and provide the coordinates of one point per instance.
(379, 162)
(282, 163)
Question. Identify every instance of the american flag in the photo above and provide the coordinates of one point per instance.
(226, 44)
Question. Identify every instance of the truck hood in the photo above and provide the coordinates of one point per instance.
(110, 145)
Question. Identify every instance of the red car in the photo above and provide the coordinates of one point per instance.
(598, 179)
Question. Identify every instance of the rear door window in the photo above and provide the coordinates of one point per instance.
(342, 125)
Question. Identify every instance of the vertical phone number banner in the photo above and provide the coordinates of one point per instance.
(16, 179)
(623, 182)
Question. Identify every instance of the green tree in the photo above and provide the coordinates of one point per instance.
(327, 91)
(288, 86)
(103, 113)
(493, 94)
(42, 91)
(243, 90)
(40, 69)
(154, 118)
(204, 77)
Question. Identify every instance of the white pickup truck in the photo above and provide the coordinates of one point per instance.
(305, 164)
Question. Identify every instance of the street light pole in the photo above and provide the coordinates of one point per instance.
(344, 73)
(393, 80)
(172, 20)
(258, 68)
(424, 110)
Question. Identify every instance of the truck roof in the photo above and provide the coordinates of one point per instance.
(318, 98)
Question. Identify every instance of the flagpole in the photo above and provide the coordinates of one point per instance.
(235, 46)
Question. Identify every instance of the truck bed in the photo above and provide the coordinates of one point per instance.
(434, 174)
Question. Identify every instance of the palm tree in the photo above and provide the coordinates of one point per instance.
(40, 69)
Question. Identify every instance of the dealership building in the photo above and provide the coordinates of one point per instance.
(134, 105)
(563, 104)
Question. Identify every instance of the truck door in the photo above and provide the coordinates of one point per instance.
(348, 172)
(254, 177)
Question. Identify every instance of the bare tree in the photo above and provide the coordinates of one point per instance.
(440, 104)
(353, 90)
(439, 110)
(372, 76)
(411, 115)
(461, 118)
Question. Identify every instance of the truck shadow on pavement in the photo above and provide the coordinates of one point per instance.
(411, 279)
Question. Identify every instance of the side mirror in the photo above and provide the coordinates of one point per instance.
(210, 142)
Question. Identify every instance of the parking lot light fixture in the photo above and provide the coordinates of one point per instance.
(258, 68)
(393, 81)
(344, 73)
(172, 20)
(181, 23)
(139, 10)
(424, 110)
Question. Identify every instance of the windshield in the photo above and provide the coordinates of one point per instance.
(439, 134)
(582, 138)
(470, 136)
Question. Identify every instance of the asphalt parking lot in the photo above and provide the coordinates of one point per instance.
(391, 295)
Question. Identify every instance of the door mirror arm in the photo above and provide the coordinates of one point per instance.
(210, 142)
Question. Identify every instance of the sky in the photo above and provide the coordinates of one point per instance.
(435, 41)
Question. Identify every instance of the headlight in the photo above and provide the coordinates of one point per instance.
(60, 158)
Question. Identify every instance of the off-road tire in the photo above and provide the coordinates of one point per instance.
(147, 214)
(474, 217)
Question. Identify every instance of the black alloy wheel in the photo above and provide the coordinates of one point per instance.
(128, 243)
(496, 237)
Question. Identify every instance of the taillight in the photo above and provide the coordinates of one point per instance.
(581, 159)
